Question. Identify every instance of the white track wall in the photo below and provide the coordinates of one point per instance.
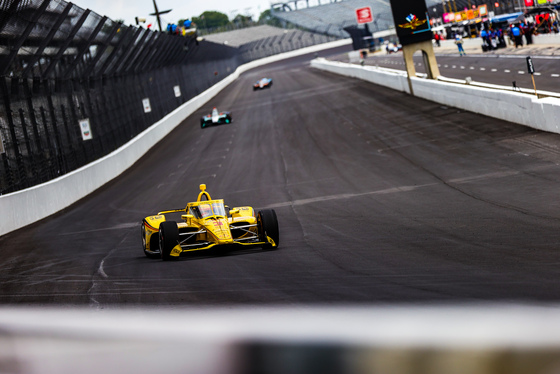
(524, 109)
(25, 207)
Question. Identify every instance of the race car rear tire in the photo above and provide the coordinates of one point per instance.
(168, 238)
(202, 124)
(153, 243)
(267, 224)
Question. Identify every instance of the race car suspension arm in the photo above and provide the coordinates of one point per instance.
(245, 228)
(189, 235)
(202, 244)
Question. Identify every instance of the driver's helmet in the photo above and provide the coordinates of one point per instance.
(215, 112)
(205, 210)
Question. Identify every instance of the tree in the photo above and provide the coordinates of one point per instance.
(242, 21)
(211, 19)
(266, 18)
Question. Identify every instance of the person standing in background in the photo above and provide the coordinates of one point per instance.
(459, 42)
(517, 35)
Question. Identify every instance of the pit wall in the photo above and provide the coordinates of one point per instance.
(27, 206)
(492, 101)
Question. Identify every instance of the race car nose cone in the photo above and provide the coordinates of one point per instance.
(220, 229)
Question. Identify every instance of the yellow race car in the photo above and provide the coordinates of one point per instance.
(205, 224)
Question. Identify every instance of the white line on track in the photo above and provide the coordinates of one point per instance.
(211, 167)
(121, 226)
(507, 71)
(514, 56)
(101, 271)
(214, 158)
(555, 75)
(206, 176)
(391, 190)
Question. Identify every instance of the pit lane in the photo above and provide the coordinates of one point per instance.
(381, 197)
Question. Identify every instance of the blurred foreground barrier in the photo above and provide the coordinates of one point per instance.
(408, 339)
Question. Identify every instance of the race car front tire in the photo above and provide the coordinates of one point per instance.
(153, 244)
(267, 224)
(168, 239)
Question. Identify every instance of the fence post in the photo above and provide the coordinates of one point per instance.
(86, 45)
(71, 150)
(27, 146)
(101, 50)
(139, 52)
(11, 127)
(113, 54)
(66, 43)
(152, 58)
(39, 53)
(51, 153)
(15, 48)
(59, 154)
(133, 43)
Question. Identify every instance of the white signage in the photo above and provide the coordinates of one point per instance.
(146, 104)
(177, 90)
(85, 129)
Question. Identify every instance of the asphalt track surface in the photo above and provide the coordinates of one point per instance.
(381, 198)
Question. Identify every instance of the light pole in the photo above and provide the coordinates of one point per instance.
(157, 13)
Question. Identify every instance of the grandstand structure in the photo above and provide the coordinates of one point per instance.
(237, 38)
(333, 17)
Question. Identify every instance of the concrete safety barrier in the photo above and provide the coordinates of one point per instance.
(27, 206)
(505, 104)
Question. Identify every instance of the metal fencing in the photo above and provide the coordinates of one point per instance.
(75, 85)
(289, 41)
